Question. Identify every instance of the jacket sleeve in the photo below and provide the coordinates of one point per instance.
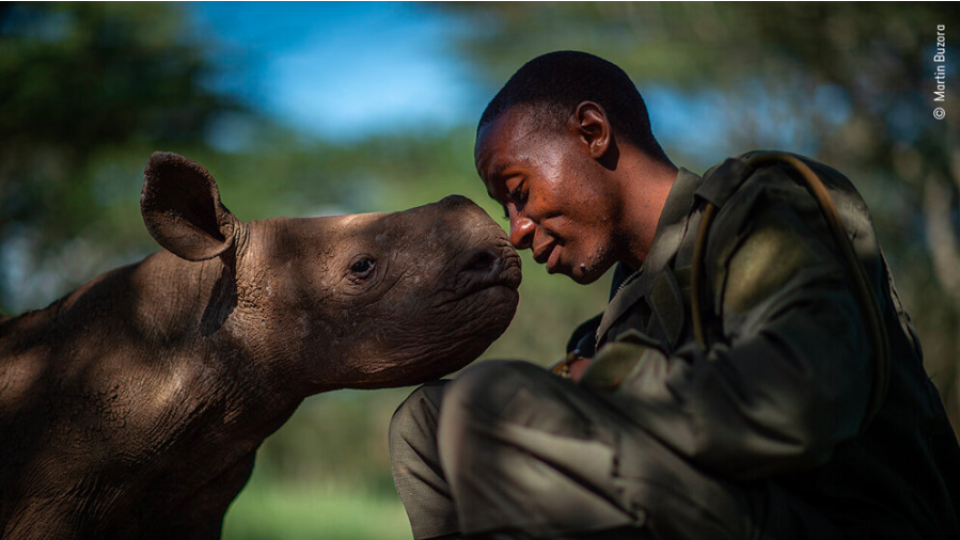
(792, 378)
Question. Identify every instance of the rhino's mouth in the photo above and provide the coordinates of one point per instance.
(510, 271)
(486, 270)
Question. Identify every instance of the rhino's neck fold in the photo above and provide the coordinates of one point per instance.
(155, 299)
(164, 334)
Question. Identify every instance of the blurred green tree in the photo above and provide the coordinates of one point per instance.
(79, 82)
(850, 84)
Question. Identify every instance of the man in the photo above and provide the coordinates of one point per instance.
(762, 409)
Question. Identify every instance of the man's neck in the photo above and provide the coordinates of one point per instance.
(645, 189)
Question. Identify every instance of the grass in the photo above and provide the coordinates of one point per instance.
(275, 511)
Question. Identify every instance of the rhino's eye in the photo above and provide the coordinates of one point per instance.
(362, 266)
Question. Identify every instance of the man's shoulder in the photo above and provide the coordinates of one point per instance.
(762, 182)
(778, 212)
(764, 170)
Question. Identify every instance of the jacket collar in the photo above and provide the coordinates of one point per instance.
(628, 287)
(679, 203)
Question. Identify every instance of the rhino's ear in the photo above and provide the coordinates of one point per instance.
(181, 208)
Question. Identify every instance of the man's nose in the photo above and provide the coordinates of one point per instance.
(521, 232)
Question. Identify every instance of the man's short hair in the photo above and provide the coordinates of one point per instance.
(557, 82)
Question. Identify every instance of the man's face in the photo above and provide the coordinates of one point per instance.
(559, 200)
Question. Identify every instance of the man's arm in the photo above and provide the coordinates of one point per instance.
(793, 379)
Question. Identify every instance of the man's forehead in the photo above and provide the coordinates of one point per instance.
(503, 138)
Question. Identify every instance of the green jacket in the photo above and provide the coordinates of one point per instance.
(784, 385)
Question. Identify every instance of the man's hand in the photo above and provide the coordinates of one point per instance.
(578, 367)
(572, 367)
(615, 363)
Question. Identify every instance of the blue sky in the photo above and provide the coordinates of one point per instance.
(343, 70)
(346, 70)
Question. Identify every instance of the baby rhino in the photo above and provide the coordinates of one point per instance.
(132, 408)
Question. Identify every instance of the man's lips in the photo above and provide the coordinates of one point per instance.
(549, 254)
(553, 260)
(543, 251)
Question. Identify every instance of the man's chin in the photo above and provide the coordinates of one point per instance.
(582, 275)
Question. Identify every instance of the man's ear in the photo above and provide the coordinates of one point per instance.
(594, 128)
(181, 208)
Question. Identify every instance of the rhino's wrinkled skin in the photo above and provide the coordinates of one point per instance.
(132, 407)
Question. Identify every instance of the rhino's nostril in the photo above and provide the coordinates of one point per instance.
(481, 260)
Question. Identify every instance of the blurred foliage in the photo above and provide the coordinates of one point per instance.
(90, 90)
(87, 89)
(80, 79)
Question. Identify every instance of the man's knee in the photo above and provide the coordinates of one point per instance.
(417, 472)
(477, 409)
(516, 444)
(415, 420)
(492, 394)
(488, 387)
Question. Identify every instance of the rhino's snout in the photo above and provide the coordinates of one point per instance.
(465, 211)
(453, 201)
(481, 261)
(490, 266)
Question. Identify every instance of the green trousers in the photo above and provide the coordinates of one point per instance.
(508, 450)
